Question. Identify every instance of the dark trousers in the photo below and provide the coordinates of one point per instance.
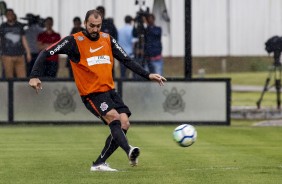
(51, 68)
(30, 64)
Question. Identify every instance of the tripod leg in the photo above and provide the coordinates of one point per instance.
(278, 88)
(265, 88)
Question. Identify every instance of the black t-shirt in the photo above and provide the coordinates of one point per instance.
(11, 39)
(109, 27)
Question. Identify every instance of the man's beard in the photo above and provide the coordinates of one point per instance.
(93, 35)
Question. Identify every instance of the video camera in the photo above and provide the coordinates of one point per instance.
(274, 44)
(139, 18)
(33, 19)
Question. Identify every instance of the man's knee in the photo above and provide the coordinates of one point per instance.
(125, 124)
(112, 115)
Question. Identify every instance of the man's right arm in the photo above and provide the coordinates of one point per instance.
(64, 46)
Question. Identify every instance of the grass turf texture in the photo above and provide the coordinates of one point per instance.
(63, 154)
(245, 78)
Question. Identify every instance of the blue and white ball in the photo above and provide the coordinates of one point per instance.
(185, 135)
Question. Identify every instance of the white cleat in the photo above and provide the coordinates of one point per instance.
(133, 155)
(104, 167)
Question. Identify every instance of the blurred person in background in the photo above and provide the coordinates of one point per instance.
(76, 25)
(126, 40)
(108, 25)
(76, 28)
(32, 32)
(14, 46)
(45, 40)
(153, 45)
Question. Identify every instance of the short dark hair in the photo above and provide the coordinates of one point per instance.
(94, 12)
(49, 18)
(128, 19)
(150, 15)
(9, 10)
(76, 19)
(102, 10)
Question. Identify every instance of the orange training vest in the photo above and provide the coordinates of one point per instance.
(93, 73)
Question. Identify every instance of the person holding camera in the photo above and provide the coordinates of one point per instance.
(32, 32)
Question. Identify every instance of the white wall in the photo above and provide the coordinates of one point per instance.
(209, 28)
(234, 27)
(219, 27)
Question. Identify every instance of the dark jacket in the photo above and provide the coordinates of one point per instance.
(109, 27)
(153, 44)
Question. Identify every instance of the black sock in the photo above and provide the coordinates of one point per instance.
(116, 139)
(119, 136)
(109, 148)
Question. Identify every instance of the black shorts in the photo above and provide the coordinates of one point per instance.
(101, 103)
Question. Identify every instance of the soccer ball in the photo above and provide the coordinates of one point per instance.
(185, 135)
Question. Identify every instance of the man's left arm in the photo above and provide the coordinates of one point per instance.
(122, 56)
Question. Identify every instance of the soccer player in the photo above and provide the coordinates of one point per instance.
(92, 56)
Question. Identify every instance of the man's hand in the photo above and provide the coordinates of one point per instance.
(36, 84)
(156, 77)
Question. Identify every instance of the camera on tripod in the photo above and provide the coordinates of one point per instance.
(274, 44)
(139, 29)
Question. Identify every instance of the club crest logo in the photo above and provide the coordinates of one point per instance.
(105, 35)
(80, 38)
(64, 102)
(174, 102)
(104, 106)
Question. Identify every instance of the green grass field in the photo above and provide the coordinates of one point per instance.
(63, 154)
(236, 154)
(244, 78)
